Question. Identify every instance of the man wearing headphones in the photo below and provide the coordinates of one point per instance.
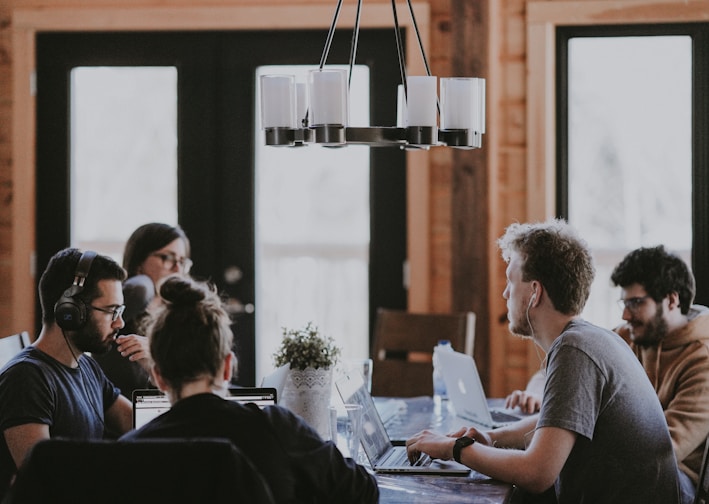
(51, 389)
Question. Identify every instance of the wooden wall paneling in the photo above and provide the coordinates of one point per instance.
(470, 217)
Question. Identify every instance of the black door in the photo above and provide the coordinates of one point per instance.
(216, 110)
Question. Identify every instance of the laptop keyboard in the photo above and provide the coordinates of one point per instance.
(398, 458)
(502, 417)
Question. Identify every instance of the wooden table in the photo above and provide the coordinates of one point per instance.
(420, 413)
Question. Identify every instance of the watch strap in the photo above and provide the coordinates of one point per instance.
(461, 443)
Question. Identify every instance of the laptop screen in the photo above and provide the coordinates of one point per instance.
(375, 439)
(149, 403)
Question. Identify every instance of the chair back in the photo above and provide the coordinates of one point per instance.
(11, 345)
(702, 495)
(403, 348)
(146, 471)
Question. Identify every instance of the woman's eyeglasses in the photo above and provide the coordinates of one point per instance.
(169, 260)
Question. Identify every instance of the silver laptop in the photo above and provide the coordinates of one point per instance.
(149, 403)
(465, 391)
(383, 456)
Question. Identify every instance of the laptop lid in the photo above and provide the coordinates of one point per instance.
(149, 403)
(375, 440)
(464, 388)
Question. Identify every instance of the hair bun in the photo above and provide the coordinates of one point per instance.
(182, 291)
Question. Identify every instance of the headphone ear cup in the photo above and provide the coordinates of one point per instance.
(69, 311)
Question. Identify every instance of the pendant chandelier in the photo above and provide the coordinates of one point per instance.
(297, 114)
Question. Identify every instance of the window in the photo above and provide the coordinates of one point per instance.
(123, 153)
(628, 175)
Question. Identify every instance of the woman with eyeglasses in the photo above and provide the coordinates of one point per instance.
(152, 253)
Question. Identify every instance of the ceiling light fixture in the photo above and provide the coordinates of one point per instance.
(296, 114)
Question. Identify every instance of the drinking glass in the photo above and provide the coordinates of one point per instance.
(346, 428)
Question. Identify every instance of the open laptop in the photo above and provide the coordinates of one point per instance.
(149, 403)
(383, 456)
(465, 391)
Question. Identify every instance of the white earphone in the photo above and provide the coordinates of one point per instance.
(531, 299)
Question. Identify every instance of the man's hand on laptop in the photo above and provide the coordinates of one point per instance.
(433, 444)
(440, 446)
(528, 402)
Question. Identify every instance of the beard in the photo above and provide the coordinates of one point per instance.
(519, 324)
(654, 330)
(90, 339)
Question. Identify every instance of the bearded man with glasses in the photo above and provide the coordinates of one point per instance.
(54, 388)
(670, 336)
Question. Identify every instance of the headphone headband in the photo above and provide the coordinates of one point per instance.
(70, 312)
(82, 269)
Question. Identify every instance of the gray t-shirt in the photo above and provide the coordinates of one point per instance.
(596, 388)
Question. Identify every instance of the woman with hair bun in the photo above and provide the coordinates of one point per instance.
(190, 342)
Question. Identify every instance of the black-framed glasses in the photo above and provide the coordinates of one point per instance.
(632, 303)
(169, 260)
(115, 312)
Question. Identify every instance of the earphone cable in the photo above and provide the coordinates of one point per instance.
(83, 382)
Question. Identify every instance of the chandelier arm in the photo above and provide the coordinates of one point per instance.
(418, 37)
(399, 48)
(330, 35)
(355, 42)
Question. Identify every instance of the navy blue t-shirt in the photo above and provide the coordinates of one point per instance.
(35, 388)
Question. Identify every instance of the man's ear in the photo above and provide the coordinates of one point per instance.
(673, 299)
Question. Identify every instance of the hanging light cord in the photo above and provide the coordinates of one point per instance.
(330, 35)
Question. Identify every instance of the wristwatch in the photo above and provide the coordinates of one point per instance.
(461, 443)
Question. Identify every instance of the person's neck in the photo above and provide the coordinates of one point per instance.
(52, 341)
(552, 327)
(196, 387)
(676, 320)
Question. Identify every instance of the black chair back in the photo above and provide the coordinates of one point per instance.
(146, 471)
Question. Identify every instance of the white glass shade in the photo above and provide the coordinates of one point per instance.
(421, 102)
(400, 106)
(278, 101)
(463, 103)
(328, 97)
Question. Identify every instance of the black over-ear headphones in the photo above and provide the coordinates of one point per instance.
(70, 311)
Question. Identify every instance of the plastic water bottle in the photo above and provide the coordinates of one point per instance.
(439, 385)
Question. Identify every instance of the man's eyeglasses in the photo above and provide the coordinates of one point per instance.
(632, 303)
(169, 260)
(115, 312)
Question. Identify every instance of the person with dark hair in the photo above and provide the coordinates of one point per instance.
(600, 435)
(52, 388)
(670, 337)
(153, 251)
(190, 342)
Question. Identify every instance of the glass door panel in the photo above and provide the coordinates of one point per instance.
(629, 152)
(123, 153)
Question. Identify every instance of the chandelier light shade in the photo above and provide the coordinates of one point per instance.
(296, 114)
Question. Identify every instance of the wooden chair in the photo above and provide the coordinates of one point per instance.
(150, 471)
(403, 349)
(702, 496)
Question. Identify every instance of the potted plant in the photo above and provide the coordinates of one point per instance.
(311, 357)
